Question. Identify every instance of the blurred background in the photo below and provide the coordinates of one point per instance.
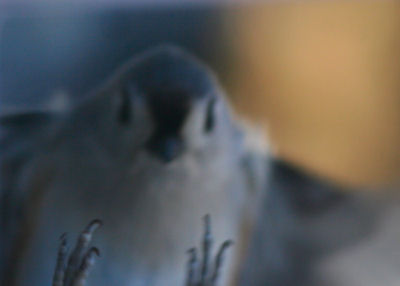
(322, 78)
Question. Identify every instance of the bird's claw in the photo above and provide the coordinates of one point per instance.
(76, 270)
(82, 259)
(208, 276)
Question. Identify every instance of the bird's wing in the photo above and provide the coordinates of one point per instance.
(302, 217)
(21, 135)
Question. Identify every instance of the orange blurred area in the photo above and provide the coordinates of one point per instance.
(324, 78)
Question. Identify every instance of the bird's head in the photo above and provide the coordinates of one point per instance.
(175, 102)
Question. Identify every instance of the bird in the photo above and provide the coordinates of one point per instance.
(149, 151)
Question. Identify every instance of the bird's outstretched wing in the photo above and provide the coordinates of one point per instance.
(303, 217)
(21, 135)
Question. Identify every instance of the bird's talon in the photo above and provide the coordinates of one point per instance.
(75, 272)
(205, 278)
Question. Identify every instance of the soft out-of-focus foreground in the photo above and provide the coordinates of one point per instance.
(322, 77)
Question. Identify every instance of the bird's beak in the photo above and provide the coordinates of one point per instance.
(166, 149)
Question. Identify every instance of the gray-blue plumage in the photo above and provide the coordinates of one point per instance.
(150, 152)
(305, 221)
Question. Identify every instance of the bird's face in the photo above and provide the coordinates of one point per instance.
(177, 104)
(181, 122)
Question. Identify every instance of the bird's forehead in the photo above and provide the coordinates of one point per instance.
(171, 73)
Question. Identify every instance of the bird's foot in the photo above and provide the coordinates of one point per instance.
(80, 261)
(206, 272)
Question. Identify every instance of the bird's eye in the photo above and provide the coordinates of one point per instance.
(125, 108)
(210, 116)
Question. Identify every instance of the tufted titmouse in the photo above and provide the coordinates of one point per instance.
(149, 152)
